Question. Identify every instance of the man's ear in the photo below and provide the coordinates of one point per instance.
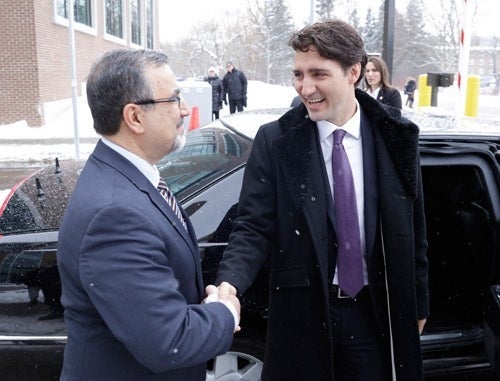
(355, 72)
(133, 116)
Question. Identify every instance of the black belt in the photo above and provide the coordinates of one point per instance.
(338, 293)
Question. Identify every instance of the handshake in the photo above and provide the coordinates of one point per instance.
(226, 294)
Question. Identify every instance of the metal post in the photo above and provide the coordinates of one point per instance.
(388, 43)
(74, 81)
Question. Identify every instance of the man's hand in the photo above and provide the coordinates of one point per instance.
(227, 297)
(226, 289)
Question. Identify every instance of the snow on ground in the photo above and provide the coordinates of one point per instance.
(21, 143)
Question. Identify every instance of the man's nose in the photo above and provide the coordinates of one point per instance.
(308, 86)
(184, 107)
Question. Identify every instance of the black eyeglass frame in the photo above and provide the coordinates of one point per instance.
(176, 98)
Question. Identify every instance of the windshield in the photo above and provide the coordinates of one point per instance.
(209, 154)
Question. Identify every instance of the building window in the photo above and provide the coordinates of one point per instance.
(149, 24)
(135, 20)
(114, 17)
(82, 10)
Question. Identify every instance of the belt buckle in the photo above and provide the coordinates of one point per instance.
(340, 295)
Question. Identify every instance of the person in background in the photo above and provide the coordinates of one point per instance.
(410, 87)
(217, 92)
(377, 83)
(348, 272)
(127, 252)
(235, 88)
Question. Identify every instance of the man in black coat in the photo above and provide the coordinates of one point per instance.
(235, 88)
(288, 214)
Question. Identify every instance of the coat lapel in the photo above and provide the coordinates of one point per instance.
(370, 181)
(397, 136)
(298, 154)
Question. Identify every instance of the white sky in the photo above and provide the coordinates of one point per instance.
(177, 19)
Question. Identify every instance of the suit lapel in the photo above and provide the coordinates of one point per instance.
(103, 153)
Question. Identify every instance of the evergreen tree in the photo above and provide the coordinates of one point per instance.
(324, 9)
(372, 33)
(414, 47)
(278, 27)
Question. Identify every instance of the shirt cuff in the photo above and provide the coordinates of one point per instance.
(213, 298)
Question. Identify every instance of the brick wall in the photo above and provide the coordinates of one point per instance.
(18, 64)
(35, 65)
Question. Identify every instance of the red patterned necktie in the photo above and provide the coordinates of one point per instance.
(170, 199)
(349, 256)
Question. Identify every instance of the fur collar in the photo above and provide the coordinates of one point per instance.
(396, 133)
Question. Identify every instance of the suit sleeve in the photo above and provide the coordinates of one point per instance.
(250, 242)
(124, 270)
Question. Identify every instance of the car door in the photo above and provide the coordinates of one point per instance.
(461, 178)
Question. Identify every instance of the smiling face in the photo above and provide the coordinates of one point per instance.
(326, 89)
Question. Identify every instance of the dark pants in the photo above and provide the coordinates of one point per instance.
(235, 104)
(360, 351)
(215, 115)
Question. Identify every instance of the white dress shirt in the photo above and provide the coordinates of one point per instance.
(374, 93)
(354, 150)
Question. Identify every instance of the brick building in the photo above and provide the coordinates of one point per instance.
(35, 62)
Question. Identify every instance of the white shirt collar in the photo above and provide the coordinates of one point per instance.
(374, 93)
(352, 126)
(150, 171)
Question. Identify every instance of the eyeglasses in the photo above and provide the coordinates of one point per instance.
(162, 100)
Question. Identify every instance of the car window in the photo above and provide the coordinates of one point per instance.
(209, 154)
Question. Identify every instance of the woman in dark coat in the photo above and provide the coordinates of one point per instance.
(377, 83)
(217, 92)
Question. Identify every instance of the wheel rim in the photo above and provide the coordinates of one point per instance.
(233, 366)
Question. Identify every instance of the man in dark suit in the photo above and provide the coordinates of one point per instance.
(348, 292)
(128, 258)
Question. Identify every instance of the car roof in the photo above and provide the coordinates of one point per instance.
(431, 123)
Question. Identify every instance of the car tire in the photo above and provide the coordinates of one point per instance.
(243, 361)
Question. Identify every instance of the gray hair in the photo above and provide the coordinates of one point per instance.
(117, 79)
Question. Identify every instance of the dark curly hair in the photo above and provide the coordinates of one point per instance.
(335, 40)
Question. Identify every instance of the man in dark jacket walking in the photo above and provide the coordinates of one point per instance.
(348, 284)
(235, 88)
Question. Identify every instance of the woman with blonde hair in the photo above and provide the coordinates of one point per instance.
(377, 83)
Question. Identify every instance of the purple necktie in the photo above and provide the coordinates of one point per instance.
(170, 199)
(349, 257)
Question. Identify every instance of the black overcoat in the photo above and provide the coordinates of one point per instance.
(283, 217)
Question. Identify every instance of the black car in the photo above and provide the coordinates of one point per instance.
(461, 177)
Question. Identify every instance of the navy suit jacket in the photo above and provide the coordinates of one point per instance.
(131, 281)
